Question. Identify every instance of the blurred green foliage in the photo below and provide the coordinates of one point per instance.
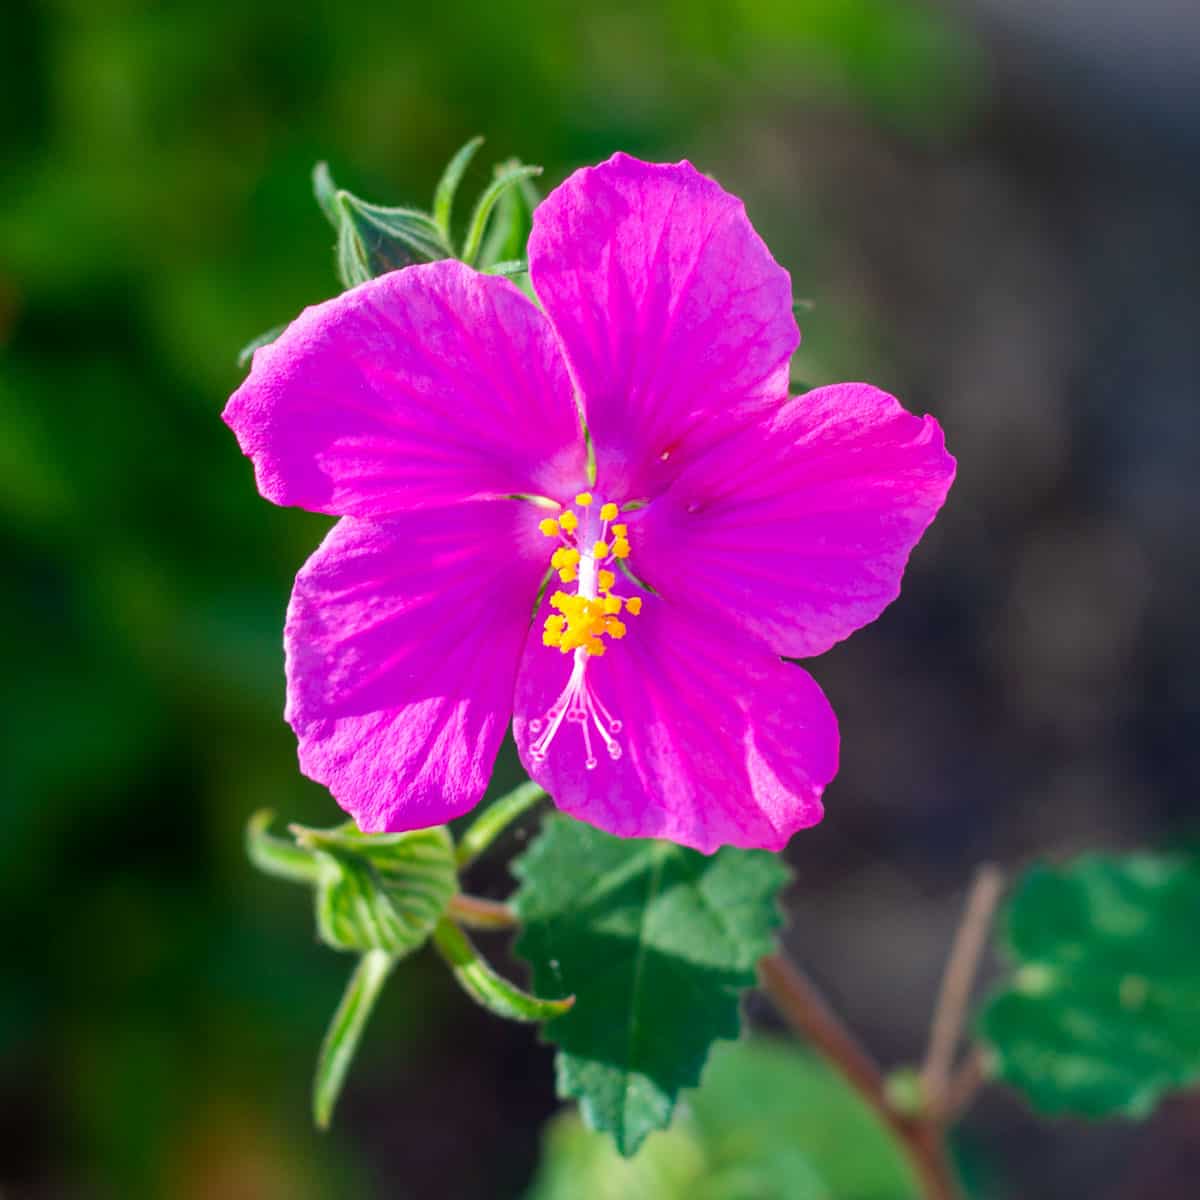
(769, 1122)
(161, 1005)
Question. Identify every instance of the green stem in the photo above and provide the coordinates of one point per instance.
(345, 1031)
(494, 820)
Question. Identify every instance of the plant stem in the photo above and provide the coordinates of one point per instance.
(477, 913)
(806, 1010)
(954, 997)
(494, 820)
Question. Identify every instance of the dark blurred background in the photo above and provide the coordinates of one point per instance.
(993, 208)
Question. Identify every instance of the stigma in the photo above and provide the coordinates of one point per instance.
(587, 615)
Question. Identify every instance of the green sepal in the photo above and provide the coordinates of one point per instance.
(278, 856)
(380, 891)
(507, 178)
(373, 239)
(511, 223)
(1101, 1013)
(658, 943)
(485, 986)
(443, 196)
(345, 1031)
(246, 353)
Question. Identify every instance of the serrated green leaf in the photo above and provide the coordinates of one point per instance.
(345, 1031)
(1101, 1015)
(657, 943)
(487, 988)
(770, 1122)
(381, 891)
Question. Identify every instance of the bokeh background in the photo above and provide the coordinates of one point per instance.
(993, 208)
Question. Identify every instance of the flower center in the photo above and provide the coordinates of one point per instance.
(590, 545)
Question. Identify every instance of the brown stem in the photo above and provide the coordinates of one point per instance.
(477, 913)
(971, 1075)
(954, 997)
(805, 1009)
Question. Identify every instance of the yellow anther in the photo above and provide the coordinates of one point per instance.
(614, 628)
(568, 574)
(620, 530)
(600, 550)
(612, 604)
(568, 521)
(564, 556)
(556, 624)
(621, 548)
(634, 605)
(594, 646)
(605, 580)
(608, 512)
(552, 637)
(583, 499)
(549, 527)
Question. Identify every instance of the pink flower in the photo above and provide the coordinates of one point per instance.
(438, 412)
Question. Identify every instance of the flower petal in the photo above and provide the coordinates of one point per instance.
(799, 530)
(675, 319)
(720, 743)
(402, 640)
(422, 387)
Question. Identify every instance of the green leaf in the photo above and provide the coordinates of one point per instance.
(508, 178)
(1101, 1015)
(345, 1031)
(770, 1122)
(484, 986)
(381, 891)
(657, 943)
(443, 196)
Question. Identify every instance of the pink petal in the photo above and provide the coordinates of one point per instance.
(799, 530)
(674, 317)
(422, 387)
(402, 640)
(720, 743)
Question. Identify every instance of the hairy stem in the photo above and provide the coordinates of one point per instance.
(808, 1013)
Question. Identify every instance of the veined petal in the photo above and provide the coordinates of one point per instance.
(402, 638)
(799, 529)
(419, 388)
(717, 741)
(675, 319)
